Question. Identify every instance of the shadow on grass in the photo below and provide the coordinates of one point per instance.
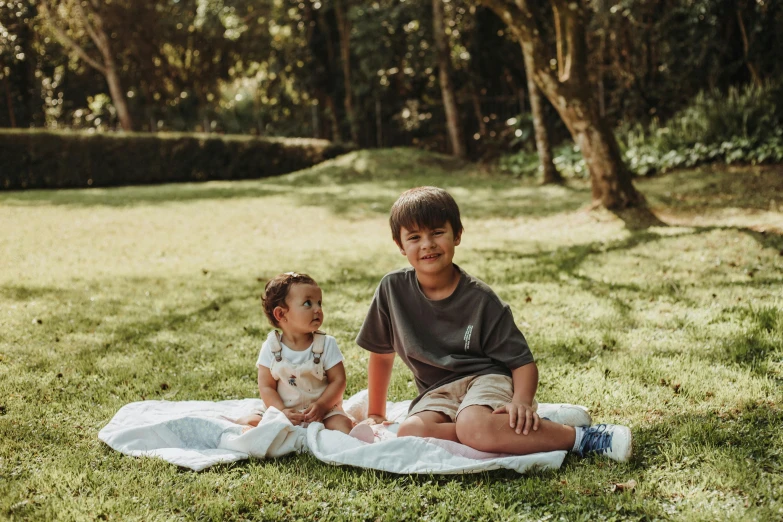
(636, 219)
(747, 434)
(551, 265)
(140, 195)
(766, 239)
(28, 293)
(757, 346)
(717, 186)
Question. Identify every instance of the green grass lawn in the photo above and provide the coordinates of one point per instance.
(109, 296)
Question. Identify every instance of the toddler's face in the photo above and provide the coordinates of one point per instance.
(304, 314)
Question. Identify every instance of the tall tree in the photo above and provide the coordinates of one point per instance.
(344, 30)
(446, 85)
(570, 93)
(549, 173)
(76, 16)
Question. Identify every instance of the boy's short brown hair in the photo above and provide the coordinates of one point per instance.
(276, 291)
(428, 207)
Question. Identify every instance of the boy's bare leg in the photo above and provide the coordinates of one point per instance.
(429, 424)
(339, 423)
(483, 430)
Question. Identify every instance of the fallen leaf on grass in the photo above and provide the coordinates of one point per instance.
(623, 486)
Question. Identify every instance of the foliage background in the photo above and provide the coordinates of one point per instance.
(275, 68)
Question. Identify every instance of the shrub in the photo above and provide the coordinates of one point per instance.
(566, 157)
(742, 126)
(48, 159)
(745, 125)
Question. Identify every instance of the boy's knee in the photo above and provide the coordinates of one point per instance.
(472, 429)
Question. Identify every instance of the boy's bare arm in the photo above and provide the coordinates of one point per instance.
(525, 382)
(522, 417)
(379, 372)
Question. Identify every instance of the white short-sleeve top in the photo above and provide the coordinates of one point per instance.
(330, 357)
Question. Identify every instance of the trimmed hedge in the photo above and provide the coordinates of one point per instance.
(69, 159)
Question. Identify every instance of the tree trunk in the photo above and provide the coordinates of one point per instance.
(571, 95)
(746, 49)
(325, 95)
(610, 179)
(118, 97)
(9, 102)
(477, 111)
(344, 29)
(446, 86)
(101, 40)
(332, 110)
(547, 167)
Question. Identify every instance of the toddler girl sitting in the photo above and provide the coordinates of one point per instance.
(300, 372)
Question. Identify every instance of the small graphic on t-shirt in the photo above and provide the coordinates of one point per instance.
(467, 337)
(292, 380)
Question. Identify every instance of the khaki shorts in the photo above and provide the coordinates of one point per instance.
(450, 399)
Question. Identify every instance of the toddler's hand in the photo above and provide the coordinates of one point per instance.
(315, 413)
(520, 416)
(376, 419)
(294, 416)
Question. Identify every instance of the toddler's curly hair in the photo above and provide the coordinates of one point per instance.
(276, 290)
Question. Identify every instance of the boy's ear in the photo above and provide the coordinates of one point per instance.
(279, 313)
(400, 247)
(458, 239)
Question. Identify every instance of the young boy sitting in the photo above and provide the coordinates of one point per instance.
(474, 371)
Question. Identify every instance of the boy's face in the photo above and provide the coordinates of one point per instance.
(304, 313)
(429, 250)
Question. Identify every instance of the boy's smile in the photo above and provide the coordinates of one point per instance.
(429, 250)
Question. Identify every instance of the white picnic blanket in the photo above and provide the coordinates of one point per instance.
(197, 434)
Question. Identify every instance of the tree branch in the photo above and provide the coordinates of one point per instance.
(98, 37)
(518, 17)
(558, 40)
(578, 40)
(746, 49)
(67, 41)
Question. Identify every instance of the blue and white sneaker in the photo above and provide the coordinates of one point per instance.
(611, 440)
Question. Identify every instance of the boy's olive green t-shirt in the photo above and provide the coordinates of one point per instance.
(471, 332)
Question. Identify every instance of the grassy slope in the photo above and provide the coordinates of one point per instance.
(113, 296)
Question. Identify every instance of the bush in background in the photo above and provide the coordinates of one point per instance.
(741, 126)
(566, 157)
(50, 159)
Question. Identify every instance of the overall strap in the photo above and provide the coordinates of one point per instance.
(274, 344)
(318, 346)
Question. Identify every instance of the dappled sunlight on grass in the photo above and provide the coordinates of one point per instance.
(116, 295)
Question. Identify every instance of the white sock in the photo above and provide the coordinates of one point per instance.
(578, 439)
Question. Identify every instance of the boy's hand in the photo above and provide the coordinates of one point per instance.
(294, 416)
(520, 416)
(315, 413)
